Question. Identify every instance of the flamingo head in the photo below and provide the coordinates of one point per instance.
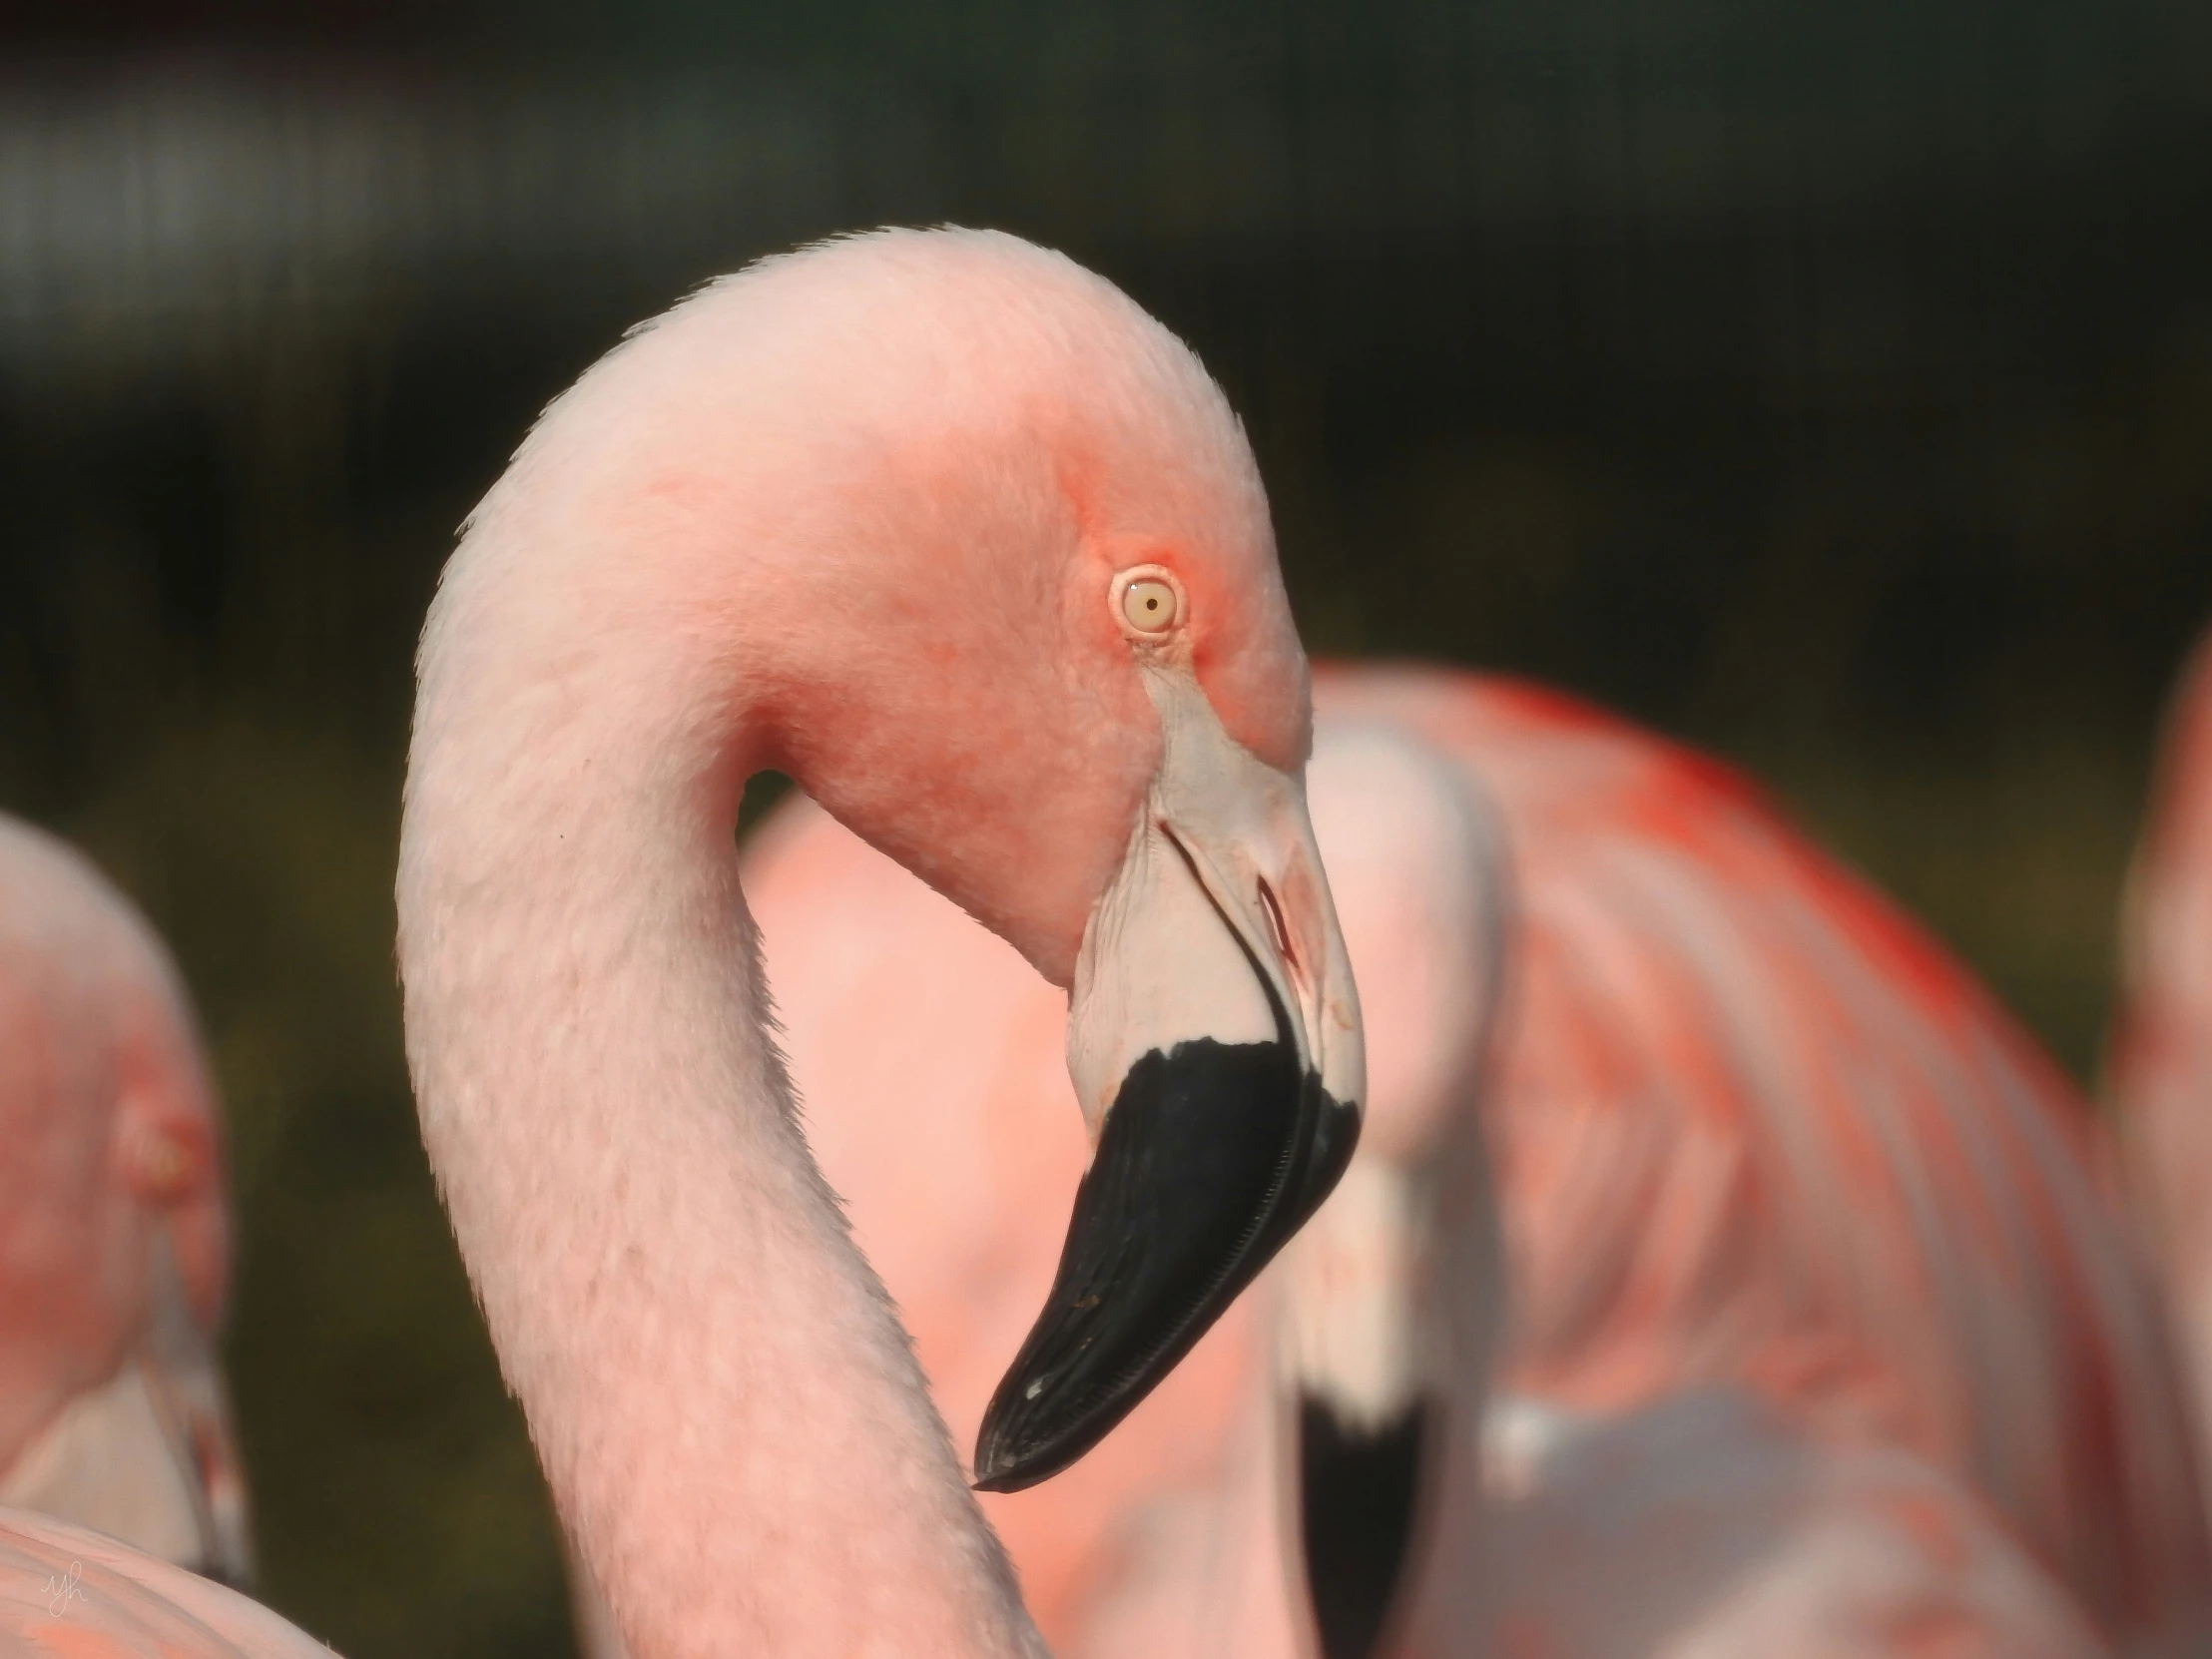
(1075, 703)
(1086, 721)
(948, 529)
(973, 550)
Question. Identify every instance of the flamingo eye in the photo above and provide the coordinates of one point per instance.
(1151, 603)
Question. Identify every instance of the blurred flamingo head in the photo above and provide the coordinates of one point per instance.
(113, 1233)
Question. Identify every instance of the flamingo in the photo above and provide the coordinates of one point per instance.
(114, 1242)
(948, 529)
(2159, 1075)
(1720, 1269)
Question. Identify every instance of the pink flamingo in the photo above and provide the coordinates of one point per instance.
(114, 1247)
(948, 529)
(2159, 1075)
(1819, 1337)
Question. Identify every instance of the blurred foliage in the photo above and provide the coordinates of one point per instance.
(1828, 383)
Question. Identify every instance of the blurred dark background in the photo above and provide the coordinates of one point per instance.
(1828, 381)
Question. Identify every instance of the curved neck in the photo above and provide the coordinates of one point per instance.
(728, 1416)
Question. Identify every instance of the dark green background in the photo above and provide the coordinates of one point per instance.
(1829, 382)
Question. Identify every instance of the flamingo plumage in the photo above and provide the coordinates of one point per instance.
(944, 527)
(114, 1241)
(1959, 1283)
(1813, 1329)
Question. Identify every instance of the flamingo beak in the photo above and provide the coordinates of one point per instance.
(149, 1456)
(1359, 1353)
(1215, 1044)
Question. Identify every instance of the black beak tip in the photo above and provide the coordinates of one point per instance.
(1213, 1155)
(1027, 1437)
(998, 1469)
(1359, 1509)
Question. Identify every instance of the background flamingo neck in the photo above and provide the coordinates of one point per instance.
(730, 1419)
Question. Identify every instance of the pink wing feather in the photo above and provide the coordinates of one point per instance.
(69, 1593)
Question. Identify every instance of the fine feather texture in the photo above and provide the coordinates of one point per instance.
(1810, 1276)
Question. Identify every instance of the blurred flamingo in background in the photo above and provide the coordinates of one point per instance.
(946, 528)
(2159, 1076)
(1753, 1130)
(114, 1241)
(1817, 1335)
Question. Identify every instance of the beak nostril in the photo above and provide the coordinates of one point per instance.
(1278, 931)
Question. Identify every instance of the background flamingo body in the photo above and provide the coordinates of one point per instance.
(1754, 1127)
(2160, 1066)
(1799, 1229)
(114, 1246)
(70, 1593)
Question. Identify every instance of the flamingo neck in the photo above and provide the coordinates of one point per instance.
(728, 1414)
